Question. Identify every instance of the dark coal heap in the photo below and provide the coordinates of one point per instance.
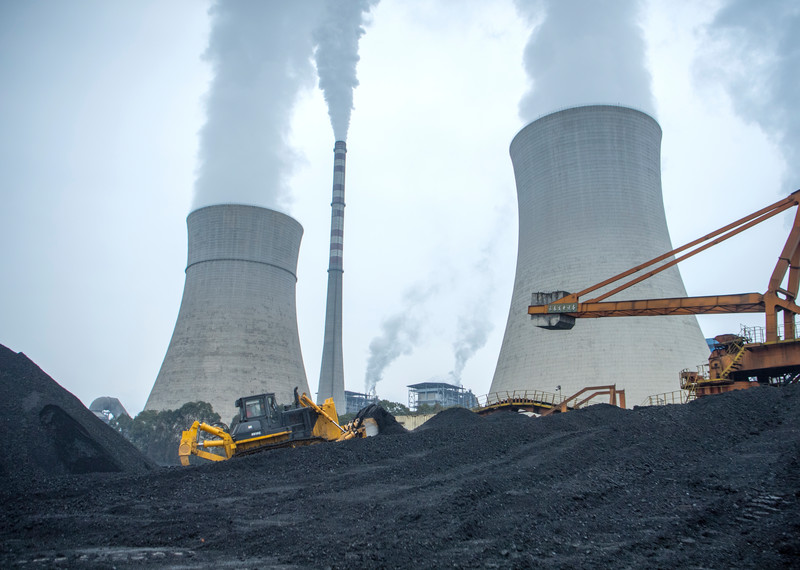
(50, 433)
(711, 484)
(387, 424)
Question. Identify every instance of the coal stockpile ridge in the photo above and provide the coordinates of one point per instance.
(50, 433)
(451, 418)
(387, 424)
(711, 484)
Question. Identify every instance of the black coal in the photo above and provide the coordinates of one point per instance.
(711, 484)
(49, 432)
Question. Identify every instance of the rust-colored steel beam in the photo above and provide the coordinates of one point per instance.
(773, 300)
(712, 305)
(609, 389)
(732, 229)
(783, 355)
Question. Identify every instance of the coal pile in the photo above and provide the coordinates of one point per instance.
(50, 433)
(387, 424)
(711, 484)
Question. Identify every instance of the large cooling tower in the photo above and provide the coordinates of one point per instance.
(331, 376)
(236, 333)
(590, 206)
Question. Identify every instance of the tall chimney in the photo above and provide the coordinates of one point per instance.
(331, 376)
(590, 206)
(236, 333)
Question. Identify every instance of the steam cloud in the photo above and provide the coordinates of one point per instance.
(400, 335)
(337, 56)
(261, 56)
(474, 329)
(473, 332)
(584, 52)
(763, 71)
(260, 53)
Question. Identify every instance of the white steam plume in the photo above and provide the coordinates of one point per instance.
(400, 334)
(260, 53)
(757, 57)
(473, 329)
(584, 52)
(473, 332)
(337, 56)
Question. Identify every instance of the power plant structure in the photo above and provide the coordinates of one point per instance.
(236, 333)
(331, 375)
(590, 206)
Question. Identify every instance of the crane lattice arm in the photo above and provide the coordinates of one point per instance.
(773, 300)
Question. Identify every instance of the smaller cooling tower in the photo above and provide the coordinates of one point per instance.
(590, 206)
(236, 333)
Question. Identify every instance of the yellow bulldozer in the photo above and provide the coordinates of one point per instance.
(262, 424)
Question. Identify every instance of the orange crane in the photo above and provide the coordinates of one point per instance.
(736, 360)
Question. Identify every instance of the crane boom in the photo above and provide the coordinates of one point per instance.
(773, 300)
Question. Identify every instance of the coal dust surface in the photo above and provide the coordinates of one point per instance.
(711, 484)
(48, 432)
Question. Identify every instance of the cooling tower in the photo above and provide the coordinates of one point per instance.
(331, 376)
(236, 333)
(590, 206)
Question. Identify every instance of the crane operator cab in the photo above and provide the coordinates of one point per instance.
(260, 415)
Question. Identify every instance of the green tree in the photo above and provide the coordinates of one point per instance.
(158, 434)
(347, 418)
(394, 408)
(429, 409)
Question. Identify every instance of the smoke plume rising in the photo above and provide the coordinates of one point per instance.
(260, 53)
(337, 56)
(473, 332)
(584, 52)
(757, 58)
(400, 335)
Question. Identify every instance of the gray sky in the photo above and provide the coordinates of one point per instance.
(103, 103)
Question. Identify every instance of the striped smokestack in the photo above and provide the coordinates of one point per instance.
(331, 377)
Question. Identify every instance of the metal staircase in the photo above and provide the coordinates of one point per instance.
(736, 363)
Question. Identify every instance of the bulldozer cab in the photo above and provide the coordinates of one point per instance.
(261, 406)
(260, 416)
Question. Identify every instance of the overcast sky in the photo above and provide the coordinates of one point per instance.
(103, 104)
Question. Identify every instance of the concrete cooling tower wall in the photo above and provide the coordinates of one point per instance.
(236, 333)
(590, 206)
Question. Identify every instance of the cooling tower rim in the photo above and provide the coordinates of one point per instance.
(246, 206)
(581, 108)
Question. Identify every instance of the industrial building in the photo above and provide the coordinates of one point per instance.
(357, 401)
(590, 206)
(236, 332)
(331, 376)
(439, 393)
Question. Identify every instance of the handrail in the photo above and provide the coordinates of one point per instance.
(494, 398)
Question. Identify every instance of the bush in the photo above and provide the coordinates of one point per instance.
(423, 409)
(158, 434)
(394, 408)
